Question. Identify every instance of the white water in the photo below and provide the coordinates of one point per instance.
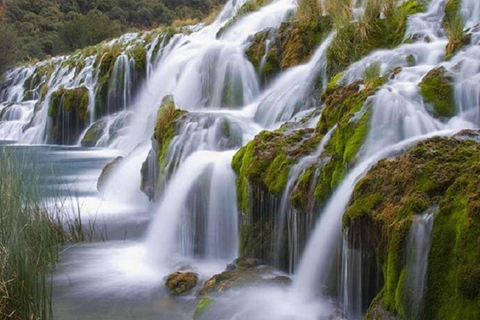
(295, 173)
(419, 243)
(399, 120)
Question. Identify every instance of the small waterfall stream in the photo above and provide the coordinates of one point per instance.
(419, 242)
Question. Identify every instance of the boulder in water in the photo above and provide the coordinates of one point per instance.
(180, 283)
(107, 170)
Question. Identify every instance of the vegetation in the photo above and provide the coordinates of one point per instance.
(8, 46)
(453, 24)
(166, 127)
(50, 27)
(344, 106)
(371, 31)
(439, 172)
(29, 240)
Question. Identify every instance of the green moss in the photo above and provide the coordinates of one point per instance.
(439, 172)
(437, 88)
(299, 197)
(166, 127)
(277, 173)
(452, 10)
(70, 100)
(140, 56)
(93, 134)
(202, 306)
(344, 107)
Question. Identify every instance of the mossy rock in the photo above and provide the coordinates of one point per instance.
(166, 126)
(292, 44)
(437, 89)
(243, 272)
(345, 106)
(179, 283)
(94, 134)
(440, 172)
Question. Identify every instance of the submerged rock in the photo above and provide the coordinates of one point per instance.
(179, 283)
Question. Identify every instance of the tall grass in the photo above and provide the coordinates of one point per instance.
(29, 244)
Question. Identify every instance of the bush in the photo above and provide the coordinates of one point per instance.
(87, 30)
(8, 47)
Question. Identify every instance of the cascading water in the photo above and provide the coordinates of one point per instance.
(285, 213)
(209, 76)
(399, 119)
(419, 242)
(121, 84)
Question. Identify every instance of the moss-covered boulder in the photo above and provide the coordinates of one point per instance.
(69, 114)
(437, 89)
(441, 173)
(181, 283)
(346, 107)
(94, 134)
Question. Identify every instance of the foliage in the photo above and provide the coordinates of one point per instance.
(8, 46)
(51, 27)
(29, 239)
(370, 32)
(85, 30)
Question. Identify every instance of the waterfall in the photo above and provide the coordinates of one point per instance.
(398, 121)
(419, 241)
(205, 69)
(295, 173)
(319, 254)
(289, 93)
(121, 84)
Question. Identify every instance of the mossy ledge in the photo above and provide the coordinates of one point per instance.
(69, 113)
(264, 164)
(439, 172)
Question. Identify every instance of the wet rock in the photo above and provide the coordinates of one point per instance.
(107, 170)
(181, 283)
(437, 89)
(93, 134)
(242, 273)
